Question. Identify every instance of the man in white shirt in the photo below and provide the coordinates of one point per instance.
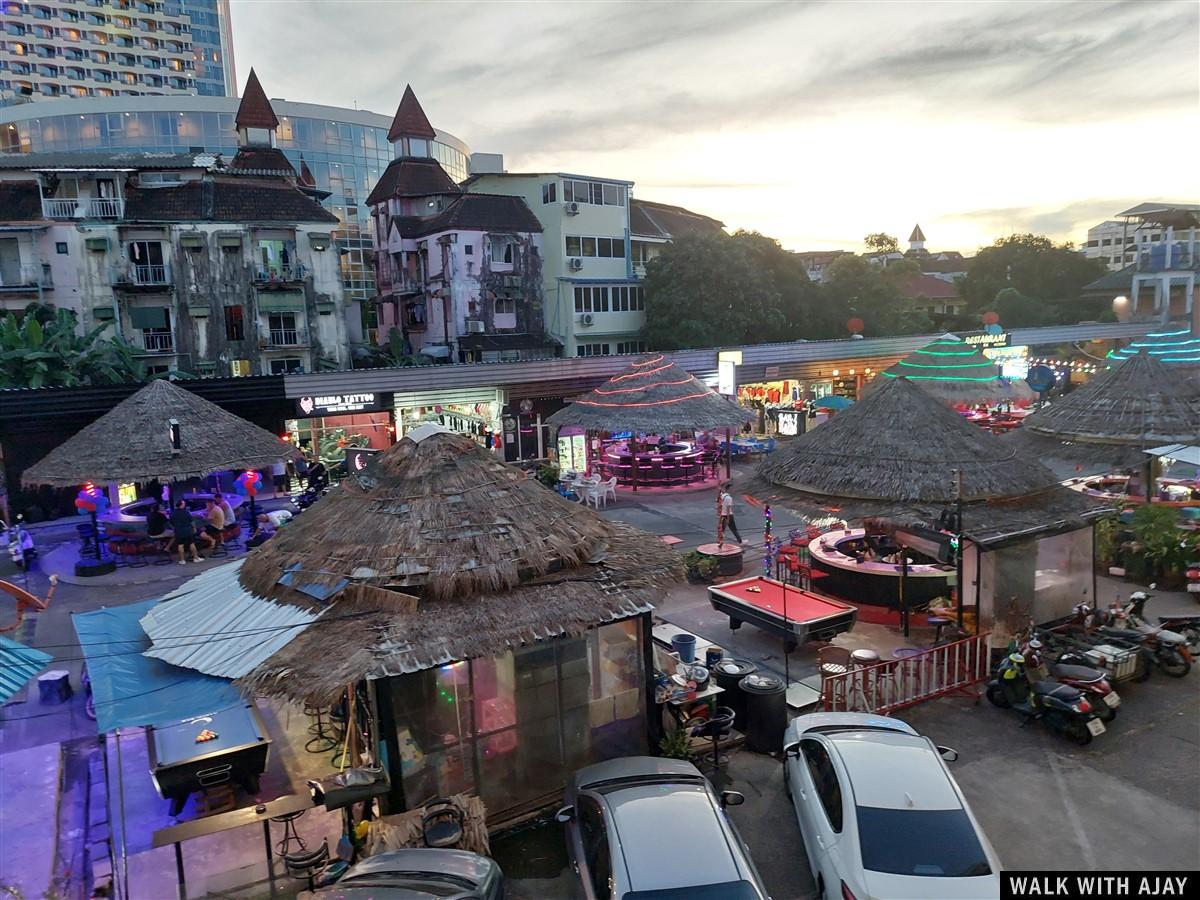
(725, 499)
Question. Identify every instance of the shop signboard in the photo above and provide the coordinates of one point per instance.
(727, 377)
(788, 422)
(338, 404)
(572, 453)
(988, 339)
(358, 458)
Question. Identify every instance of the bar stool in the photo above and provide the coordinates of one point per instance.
(666, 474)
(290, 835)
(325, 733)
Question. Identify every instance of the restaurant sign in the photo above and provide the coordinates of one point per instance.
(788, 422)
(333, 404)
(1000, 339)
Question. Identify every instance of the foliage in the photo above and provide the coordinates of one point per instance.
(1108, 541)
(699, 568)
(548, 475)
(1014, 308)
(50, 353)
(333, 444)
(396, 353)
(676, 745)
(1036, 268)
(1166, 546)
(857, 287)
(881, 242)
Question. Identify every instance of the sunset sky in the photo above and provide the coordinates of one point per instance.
(813, 122)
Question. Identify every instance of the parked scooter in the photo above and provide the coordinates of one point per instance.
(1169, 649)
(1059, 706)
(1186, 626)
(19, 543)
(1093, 683)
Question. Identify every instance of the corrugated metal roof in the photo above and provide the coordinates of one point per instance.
(214, 625)
(18, 664)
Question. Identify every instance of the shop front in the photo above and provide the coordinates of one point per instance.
(771, 398)
(527, 436)
(475, 412)
(326, 426)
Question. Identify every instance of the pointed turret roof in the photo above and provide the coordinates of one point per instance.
(410, 120)
(255, 110)
(306, 176)
(917, 234)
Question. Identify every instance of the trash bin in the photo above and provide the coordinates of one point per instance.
(765, 697)
(728, 673)
(685, 645)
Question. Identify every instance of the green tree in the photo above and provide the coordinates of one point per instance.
(802, 313)
(862, 289)
(1035, 267)
(1014, 309)
(34, 354)
(881, 242)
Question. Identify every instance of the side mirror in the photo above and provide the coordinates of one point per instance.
(1153, 585)
(792, 750)
(565, 815)
(949, 754)
(732, 798)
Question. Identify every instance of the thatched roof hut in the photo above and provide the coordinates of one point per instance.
(443, 553)
(652, 396)
(894, 455)
(955, 372)
(133, 442)
(1136, 405)
(1175, 345)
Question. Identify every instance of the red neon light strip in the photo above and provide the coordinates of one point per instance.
(648, 362)
(643, 374)
(654, 403)
(640, 388)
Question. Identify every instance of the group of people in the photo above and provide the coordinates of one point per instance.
(182, 533)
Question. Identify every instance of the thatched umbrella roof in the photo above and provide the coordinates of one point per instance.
(652, 396)
(1175, 345)
(955, 372)
(893, 456)
(1136, 405)
(442, 552)
(132, 442)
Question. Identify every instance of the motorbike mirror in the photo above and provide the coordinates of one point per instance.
(732, 798)
(949, 754)
(1153, 585)
(565, 815)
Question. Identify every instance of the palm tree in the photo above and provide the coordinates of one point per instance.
(41, 351)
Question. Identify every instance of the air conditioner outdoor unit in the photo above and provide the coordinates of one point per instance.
(574, 263)
(572, 209)
(474, 326)
(586, 319)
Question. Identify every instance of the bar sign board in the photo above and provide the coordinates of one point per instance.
(335, 404)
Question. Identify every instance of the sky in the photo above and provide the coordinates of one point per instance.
(813, 122)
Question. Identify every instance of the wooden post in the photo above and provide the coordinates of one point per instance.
(633, 453)
(958, 562)
(728, 451)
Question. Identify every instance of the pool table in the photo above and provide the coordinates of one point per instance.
(179, 766)
(761, 601)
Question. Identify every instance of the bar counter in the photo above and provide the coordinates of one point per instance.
(873, 583)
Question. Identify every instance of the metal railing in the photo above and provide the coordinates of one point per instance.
(24, 277)
(286, 337)
(282, 273)
(148, 274)
(896, 683)
(158, 341)
(83, 208)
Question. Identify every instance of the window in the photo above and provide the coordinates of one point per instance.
(550, 192)
(502, 250)
(591, 299)
(631, 347)
(825, 781)
(594, 192)
(591, 350)
(594, 836)
(283, 330)
(937, 843)
(235, 324)
(286, 366)
(589, 246)
(602, 247)
(505, 306)
(469, 249)
(574, 246)
(60, 247)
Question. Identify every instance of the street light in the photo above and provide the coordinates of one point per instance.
(1120, 306)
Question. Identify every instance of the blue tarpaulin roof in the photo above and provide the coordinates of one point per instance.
(18, 664)
(130, 689)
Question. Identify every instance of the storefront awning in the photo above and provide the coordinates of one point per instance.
(130, 689)
(18, 664)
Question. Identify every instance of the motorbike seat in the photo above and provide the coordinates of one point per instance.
(1061, 691)
(1079, 673)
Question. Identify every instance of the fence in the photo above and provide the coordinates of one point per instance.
(897, 683)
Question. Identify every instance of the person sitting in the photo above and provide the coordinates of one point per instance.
(214, 524)
(318, 477)
(158, 529)
(663, 442)
(184, 527)
(263, 531)
(226, 508)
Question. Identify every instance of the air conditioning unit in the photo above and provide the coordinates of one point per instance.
(571, 209)
(587, 319)
(474, 326)
(574, 263)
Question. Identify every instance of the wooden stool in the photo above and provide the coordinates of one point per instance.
(54, 687)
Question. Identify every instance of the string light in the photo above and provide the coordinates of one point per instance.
(768, 551)
(942, 377)
(669, 402)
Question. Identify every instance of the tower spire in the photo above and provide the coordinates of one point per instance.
(255, 109)
(411, 132)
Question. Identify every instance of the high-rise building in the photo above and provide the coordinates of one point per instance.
(114, 48)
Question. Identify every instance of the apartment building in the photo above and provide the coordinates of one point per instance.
(1121, 240)
(110, 48)
(202, 265)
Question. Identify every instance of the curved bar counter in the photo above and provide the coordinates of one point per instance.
(679, 463)
(873, 583)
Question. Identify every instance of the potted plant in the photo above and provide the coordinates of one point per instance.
(548, 475)
(676, 745)
(700, 569)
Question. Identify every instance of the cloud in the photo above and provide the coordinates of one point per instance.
(1062, 220)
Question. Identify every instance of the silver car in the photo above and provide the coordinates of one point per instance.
(418, 874)
(642, 828)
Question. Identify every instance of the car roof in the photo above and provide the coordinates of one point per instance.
(459, 863)
(829, 721)
(893, 770)
(671, 836)
(633, 767)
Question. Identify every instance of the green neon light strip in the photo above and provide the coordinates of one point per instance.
(1163, 343)
(979, 365)
(942, 377)
(944, 344)
(943, 353)
(1167, 333)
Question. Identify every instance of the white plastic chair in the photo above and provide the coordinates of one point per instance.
(594, 494)
(610, 489)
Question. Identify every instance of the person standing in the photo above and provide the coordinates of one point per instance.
(226, 509)
(184, 527)
(725, 504)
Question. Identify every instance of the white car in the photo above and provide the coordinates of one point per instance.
(881, 816)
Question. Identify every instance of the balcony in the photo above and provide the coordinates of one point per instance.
(25, 278)
(281, 275)
(414, 317)
(158, 341)
(135, 275)
(286, 337)
(83, 208)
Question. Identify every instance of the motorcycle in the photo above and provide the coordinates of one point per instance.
(1059, 706)
(21, 548)
(318, 485)
(1186, 626)
(1093, 683)
(1169, 649)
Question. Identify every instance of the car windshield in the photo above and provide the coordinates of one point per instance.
(934, 843)
(731, 890)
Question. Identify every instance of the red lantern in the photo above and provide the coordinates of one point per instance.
(855, 325)
(990, 318)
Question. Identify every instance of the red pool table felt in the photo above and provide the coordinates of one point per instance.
(802, 606)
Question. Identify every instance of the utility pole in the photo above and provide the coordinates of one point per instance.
(958, 556)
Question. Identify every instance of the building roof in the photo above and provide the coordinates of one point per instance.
(474, 212)
(1148, 209)
(522, 341)
(255, 110)
(572, 175)
(106, 160)
(817, 257)
(216, 200)
(953, 261)
(305, 178)
(922, 285)
(18, 663)
(410, 120)
(260, 161)
(1120, 280)
(20, 201)
(659, 220)
(917, 234)
(412, 176)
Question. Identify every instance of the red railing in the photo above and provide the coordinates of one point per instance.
(896, 683)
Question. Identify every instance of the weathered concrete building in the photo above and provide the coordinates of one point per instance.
(202, 265)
